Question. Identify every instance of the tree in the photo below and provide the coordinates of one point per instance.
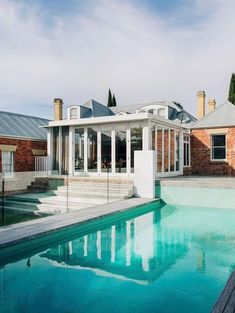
(114, 101)
(110, 99)
(231, 96)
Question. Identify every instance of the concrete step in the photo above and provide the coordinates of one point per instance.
(101, 187)
(26, 206)
(95, 193)
(55, 209)
(62, 200)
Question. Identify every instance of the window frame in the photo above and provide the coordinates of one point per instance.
(11, 164)
(188, 145)
(212, 147)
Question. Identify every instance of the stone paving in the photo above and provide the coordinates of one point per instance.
(16, 233)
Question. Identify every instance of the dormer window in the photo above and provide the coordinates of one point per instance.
(161, 112)
(73, 113)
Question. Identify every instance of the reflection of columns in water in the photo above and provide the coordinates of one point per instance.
(113, 237)
(144, 238)
(128, 243)
(201, 260)
(85, 245)
(70, 248)
(98, 244)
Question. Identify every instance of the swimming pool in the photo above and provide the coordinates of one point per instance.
(161, 259)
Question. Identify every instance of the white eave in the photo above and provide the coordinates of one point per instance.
(115, 119)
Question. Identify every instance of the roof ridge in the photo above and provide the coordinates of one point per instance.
(211, 112)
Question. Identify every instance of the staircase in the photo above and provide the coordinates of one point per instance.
(84, 193)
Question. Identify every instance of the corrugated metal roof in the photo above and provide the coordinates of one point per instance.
(22, 126)
(222, 116)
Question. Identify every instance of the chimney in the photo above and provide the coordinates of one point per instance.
(211, 105)
(201, 101)
(58, 109)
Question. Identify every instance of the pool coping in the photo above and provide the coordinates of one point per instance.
(25, 231)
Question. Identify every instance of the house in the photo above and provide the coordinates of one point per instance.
(213, 139)
(94, 138)
(21, 139)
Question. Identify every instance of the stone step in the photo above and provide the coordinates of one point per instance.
(96, 187)
(55, 209)
(95, 193)
(62, 200)
(26, 206)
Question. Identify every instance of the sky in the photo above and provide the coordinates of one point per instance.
(143, 51)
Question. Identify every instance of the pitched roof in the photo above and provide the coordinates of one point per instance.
(173, 114)
(97, 109)
(222, 116)
(22, 126)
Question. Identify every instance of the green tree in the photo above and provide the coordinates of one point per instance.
(231, 96)
(110, 99)
(114, 101)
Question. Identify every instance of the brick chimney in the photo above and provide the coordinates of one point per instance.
(201, 101)
(211, 105)
(58, 109)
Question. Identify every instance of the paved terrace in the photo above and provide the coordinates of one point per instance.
(18, 233)
(199, 181)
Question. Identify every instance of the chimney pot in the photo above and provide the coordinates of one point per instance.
(211, 105)
(58, 109)
(201, 101)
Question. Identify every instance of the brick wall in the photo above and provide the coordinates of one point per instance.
(201, 149)
(23, 157)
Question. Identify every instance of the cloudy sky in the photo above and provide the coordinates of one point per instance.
(143, 50)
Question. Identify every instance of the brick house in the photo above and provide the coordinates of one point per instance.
(213, 139)
(21, 140)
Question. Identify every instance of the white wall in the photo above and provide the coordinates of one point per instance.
(144, 173)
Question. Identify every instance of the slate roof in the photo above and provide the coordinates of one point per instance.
(173, 113)
(222, 116)
(22, 126)
(97, 109)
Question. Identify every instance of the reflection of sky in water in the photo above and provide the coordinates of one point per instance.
(173, 259)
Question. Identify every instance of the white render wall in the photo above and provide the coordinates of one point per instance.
(144, 175)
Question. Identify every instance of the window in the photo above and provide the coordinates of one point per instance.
(7, 162)
(218, 151)
(186, 151)
(73, 113)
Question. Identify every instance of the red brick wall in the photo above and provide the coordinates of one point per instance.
(23, 157)
(201, 149)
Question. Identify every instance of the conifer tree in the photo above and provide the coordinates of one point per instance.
(110, 99)
(114, 103)
(231, 96)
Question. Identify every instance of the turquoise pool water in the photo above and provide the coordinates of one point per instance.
(162, 259)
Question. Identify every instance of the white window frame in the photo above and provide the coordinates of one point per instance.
(11, 163)
(211, 150)
(188, 143)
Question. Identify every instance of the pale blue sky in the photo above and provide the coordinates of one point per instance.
(143, 50)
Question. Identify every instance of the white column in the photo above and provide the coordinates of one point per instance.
(85, 149)
(99, 152)
(181, 152)
(146, 136)
(163, 161)
(60, 149)
(71, 150)
(169, 150)
(128, 150)
(113, 151)
(49, 149)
